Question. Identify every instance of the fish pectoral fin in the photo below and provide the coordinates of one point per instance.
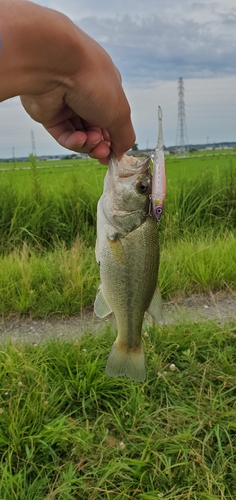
(117, 251)
(101, 307)
(126, 363)
(155, 308)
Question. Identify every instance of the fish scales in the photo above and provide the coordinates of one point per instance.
(127, 250)
(130, 287)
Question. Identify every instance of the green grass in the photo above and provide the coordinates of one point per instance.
(65, 281)
(69, 432)
(198, 164)
(39, 284)
(44, 207)
(47, 206)
(203, 202)
(54, 175)
(48, 233)
(198, 265)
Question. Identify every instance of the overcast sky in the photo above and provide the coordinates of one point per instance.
(153, 43)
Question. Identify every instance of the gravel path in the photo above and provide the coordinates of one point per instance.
(219, 308)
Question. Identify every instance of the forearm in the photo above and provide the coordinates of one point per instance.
(34, 48)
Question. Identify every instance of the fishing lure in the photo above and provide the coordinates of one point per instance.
(159, 174)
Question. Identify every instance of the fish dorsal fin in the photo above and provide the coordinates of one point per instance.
(101, 307)
(155, 308)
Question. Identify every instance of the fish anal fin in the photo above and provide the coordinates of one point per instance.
(155, 308)
(126, 363)
(97, 256)
(101, 307)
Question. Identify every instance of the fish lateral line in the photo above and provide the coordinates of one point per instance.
(171, 230)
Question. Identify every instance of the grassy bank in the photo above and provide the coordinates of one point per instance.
(68, 432)
(198, 264)
(48, 232)
(64, 281)
(38, 284)
(45, 206)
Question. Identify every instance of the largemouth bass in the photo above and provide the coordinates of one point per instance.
(127, 251)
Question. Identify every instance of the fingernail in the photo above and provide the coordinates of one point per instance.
(80, 144)
(93, 144)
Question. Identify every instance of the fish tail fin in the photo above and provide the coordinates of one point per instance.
(126, 363)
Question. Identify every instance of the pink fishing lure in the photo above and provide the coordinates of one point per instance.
(159, 174)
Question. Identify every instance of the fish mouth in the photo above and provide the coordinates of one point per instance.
(129, 165)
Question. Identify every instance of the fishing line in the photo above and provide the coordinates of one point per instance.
(171, 230)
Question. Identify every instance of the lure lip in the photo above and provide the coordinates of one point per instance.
(159, 176)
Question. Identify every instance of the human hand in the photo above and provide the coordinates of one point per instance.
(65, 79)
(88, 119)
(88, 111)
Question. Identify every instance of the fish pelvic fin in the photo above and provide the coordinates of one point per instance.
(123, 362)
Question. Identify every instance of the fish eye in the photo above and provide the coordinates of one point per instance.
(143, 186)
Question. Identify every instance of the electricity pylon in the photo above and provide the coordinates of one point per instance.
(33, 143)
(181, 135)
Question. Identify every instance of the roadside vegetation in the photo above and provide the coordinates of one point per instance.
(48, 233)
(69, 432)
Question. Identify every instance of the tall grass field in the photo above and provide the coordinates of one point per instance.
(48, 232)
(69, 432)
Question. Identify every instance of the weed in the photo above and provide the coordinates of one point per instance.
(48, 231)
(70, 432)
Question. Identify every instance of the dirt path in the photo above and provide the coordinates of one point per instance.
(219, 308)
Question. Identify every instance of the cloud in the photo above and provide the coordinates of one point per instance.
(153, 43)
(160, 40)
(151, 47)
